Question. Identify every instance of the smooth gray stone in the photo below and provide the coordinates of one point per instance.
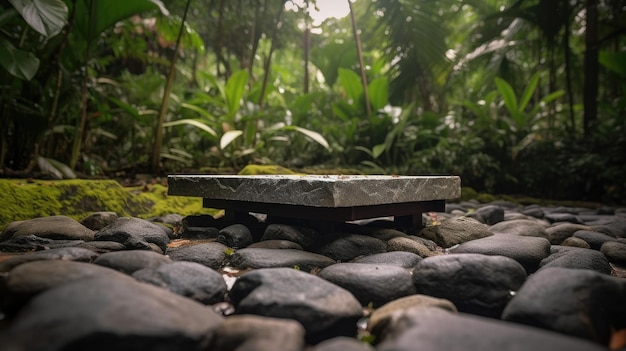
(436, 330)
(275, 244)
(316, 190)
(29, 279)
(273, 258)
(563, 217)
(99, 220)
(344, 247)
(110, 313)
(615, 252)
(613, 226)
(188, 279)
(490, 214)
(575, 242)
(171, 219)
(383, 320)
(477, 284)
(523, 227)
(129, 261)
(456, 231)
(527, 250)
(236, 236)
(62, 253)
(303, 236)
(578, 302)
(402, 259)
(409, 245)
(576, 258)
(25, 243)
(211, 255)
(533, 211)
(342, 343)
(324, 309)
(134, 233)
(103, 246)
(561, 231)
(594, 239)
(252, 333)
(52, 227)
(371, 284)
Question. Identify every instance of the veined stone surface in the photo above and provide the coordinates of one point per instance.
(317, 190)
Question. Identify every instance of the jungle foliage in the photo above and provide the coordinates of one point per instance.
(515, 97)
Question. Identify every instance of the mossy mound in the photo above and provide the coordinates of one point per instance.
(266, 169)
(78, 198)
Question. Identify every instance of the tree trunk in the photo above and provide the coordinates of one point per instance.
(158, 139)
(359, 49)
(591, 67)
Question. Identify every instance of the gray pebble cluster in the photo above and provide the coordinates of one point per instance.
(478, 277)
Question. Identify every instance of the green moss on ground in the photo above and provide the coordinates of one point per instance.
(266, 169)
(79, 198)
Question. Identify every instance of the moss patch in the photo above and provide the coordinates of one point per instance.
(266, 169)
(79, 198)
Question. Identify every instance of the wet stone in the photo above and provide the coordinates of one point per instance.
(131, 260)
(324, 309)
(477, 284)
(236, 236)
(273, 258)
(576, 258)
(211, 255)
(188, 279)
(371, 284)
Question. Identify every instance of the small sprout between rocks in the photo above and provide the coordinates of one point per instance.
(296, 267)
(229, 251)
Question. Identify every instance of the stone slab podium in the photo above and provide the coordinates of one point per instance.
(328, 198)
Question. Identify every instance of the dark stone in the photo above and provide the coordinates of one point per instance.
(576, 258)
(103, 246)
(456, 231)
(559, 232)
(134, 233)
(370, 283)
(188, 279)
(522, 227)
(303, 236)
(275, 244)
(490, 214)
(29, 279)
(395, 258)
(63, 253)
(201, 221)
(454, 207)
(615, 252)
(384, 318)
(236, 236)
(577, 302)
(52, 227)
(130, 261)
(527, 250)
(409, 245)
(345, 247)
(324, 309)
(110, 313)
(563, 217)
(342, 343)
(477, 284)
(614, 226)
(211, 255)
(25, 243)
(99, 220)
(273, 258)
(575, 242)
(435, 330)
(170, 219)
(258, 333)
(533, 211)
(200, 233)
(594, 239)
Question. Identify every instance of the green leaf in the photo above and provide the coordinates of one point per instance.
(197, 109)
(317, 137)
(58, 169)
(47, 17)
(351, 84)
(379, 93)
(528, 91)
(234, 90)
(378, 150)
(508, 95)
(191, 122)
(19, 63)
(614, 61)
(228, 138)
(106, 13)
